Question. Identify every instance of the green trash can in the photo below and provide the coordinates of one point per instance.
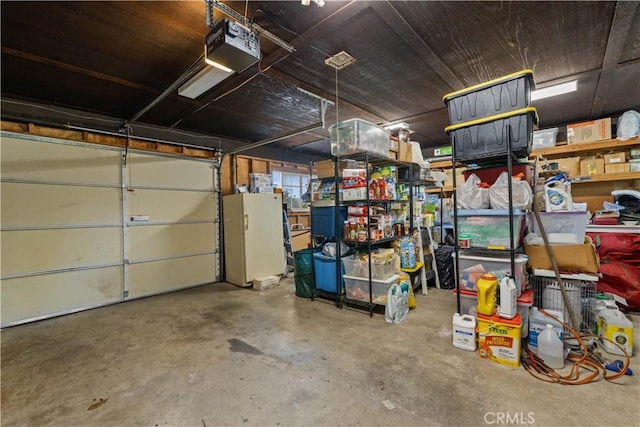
(303, 272)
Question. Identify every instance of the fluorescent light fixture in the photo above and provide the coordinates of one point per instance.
(219, 66)
(554, 90)
(203, 81)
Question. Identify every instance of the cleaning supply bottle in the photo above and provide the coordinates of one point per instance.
(487, 284)
(464, 331)
(550, 348)
(614, 325)
(538, 323)
(508, 299)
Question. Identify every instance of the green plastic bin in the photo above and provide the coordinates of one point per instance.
(303, 272)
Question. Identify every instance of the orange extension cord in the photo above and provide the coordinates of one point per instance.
(584, 361)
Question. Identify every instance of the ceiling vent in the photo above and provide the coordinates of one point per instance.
(340, 60)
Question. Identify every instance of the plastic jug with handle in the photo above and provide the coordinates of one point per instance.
(508, 299)
(487, 285)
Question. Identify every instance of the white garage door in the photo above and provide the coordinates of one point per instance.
(175, 247)
(67, 239)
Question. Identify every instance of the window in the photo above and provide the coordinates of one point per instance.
(294, 186)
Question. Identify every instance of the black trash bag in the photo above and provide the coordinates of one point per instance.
(303, 272)
(444, 261)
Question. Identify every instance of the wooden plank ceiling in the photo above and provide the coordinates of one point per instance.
(114, 58)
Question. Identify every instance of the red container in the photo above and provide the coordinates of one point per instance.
(605, 221)
(489, 175)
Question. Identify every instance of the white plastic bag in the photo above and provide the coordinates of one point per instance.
(628, 125)
(329, 249)
(397, 306)
(499, 193)
(470, 196)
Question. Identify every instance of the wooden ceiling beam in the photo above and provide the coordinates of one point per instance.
(620, 26)
(75, 69)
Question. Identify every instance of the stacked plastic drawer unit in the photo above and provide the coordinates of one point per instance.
(483, 116)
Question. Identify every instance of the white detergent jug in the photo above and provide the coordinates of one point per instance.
(550, 348)
(508, 299)
(557, 196)
(614, 325)
(464, 332)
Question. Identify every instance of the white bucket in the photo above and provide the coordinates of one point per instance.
(464, 332)
(552, 299)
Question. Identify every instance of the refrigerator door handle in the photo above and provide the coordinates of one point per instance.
(246, 221)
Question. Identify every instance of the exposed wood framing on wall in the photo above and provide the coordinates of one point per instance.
(236, 169)
(114, 141)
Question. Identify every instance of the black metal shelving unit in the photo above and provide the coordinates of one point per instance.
(371, 161)
(512, 248)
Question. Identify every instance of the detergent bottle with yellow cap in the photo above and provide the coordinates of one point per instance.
(487, 285)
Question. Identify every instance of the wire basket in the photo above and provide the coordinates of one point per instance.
(581, 293)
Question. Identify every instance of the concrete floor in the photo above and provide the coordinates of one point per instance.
(222, 355)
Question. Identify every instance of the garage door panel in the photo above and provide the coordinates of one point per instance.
(172, 206)
(38, 204)
(162, 276)
(154, 241)
(50, 294)
(41, 250)
(165, 172)
(45, 161)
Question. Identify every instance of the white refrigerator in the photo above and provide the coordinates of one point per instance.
(253, 237)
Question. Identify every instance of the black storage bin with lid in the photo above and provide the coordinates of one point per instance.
(488, 137)
(501, 95)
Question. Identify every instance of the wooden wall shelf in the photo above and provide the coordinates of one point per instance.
(606, 177)
(599, 146)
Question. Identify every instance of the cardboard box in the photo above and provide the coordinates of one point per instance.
(575, 258)
(354, 193)
(595, 130)
(570, 165)
(459, 177)
(324, 168)
(393, 155)
(615, 158)
(592, 166)
(262, 283)
(617, 168)
(405, 152)
(393, 144)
